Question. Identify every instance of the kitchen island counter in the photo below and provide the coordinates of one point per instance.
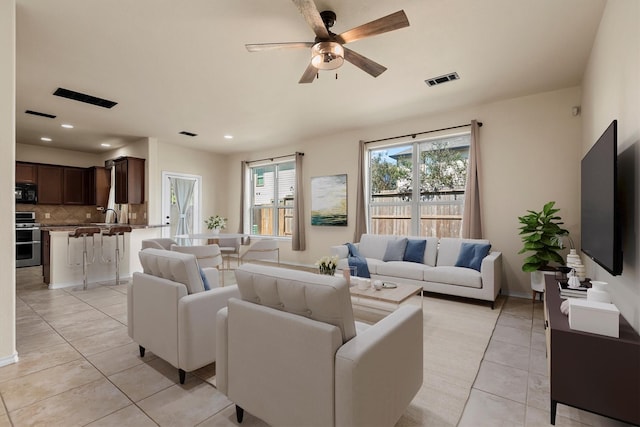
(62, 255)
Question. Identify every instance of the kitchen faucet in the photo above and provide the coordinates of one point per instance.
(115, 214)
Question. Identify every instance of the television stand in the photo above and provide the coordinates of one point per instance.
(596, 373)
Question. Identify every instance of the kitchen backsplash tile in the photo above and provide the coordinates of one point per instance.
(69, 214)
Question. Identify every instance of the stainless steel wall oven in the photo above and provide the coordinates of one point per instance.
(27, 240)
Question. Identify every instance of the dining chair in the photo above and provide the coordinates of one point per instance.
(207, 255)
(262, 250)
(230, 247)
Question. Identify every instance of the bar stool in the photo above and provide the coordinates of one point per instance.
(117, 231)
(83, 232)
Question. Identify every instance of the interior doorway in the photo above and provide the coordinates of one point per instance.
(181, 201)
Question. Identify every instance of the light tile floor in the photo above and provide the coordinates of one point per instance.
(79, 367)
(512, 385)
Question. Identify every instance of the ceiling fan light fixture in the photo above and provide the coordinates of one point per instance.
(327, 55)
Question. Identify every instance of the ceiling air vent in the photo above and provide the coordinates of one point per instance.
(184, 132)
(83, 97)
(37, 113)
(442, 79)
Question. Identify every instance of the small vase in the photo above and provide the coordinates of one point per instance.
(327, 271)
(215, 231)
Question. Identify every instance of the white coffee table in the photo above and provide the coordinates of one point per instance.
(385, 297)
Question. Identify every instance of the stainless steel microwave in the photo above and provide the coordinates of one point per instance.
(26, 193)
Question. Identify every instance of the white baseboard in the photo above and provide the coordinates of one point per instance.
(8, 360)
(517, 295)
(62, 285)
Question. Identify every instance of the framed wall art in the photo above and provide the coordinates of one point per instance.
(329, 200)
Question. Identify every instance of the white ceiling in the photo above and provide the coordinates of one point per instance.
(174, 66)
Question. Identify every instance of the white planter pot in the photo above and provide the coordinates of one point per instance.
(537, 280)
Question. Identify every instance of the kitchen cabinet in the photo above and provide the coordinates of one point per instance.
(73, 186)
(98, 184)
(129, 180)
(26, 173)
(50, 184)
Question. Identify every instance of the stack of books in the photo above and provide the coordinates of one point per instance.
(567, 292)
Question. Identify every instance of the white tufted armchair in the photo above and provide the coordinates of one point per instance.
(170, 313)
(290, 353)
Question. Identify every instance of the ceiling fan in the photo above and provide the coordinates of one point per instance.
(327, 51)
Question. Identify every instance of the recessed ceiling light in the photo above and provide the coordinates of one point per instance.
(105, 145)
(228, 137)
(67, 126)
(44, 138)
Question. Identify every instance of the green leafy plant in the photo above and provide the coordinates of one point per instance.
(216, 222)
(541, 234)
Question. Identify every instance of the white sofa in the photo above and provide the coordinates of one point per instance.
(170, 313)
(289, 352)
(437, 272)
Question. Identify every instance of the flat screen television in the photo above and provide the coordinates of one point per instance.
(600, 208)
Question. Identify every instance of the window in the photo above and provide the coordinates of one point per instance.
(432, 208)
(272, 189)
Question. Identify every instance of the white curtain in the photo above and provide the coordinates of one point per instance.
(183, 190)
(471, 217)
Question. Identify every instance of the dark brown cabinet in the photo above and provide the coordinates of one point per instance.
(50, 184)
(129, 180)
(593, 372)
(26, 173)
(58, 185)
(98, 184)
(73, 186)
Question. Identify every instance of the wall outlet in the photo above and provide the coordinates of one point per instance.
(88, 215)
(47, 215)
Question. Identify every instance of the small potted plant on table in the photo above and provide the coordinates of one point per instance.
(216, 223)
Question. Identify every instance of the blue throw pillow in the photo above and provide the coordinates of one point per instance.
(414, 252)
(395, 250)
(205, 282)
(472, 254)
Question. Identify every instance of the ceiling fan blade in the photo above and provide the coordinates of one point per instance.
(395, 21)
(364, 63)
(258, 47)
(310, 13)
(309, 74)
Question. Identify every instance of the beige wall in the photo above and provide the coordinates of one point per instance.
(529, 146)
(612, 91)
(7, 177)
(212, 168)
(56, 156)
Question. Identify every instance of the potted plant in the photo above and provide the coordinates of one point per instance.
(541, 233)
(327, 265)
(216, 223)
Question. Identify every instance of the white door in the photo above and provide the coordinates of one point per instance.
(181, 201)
